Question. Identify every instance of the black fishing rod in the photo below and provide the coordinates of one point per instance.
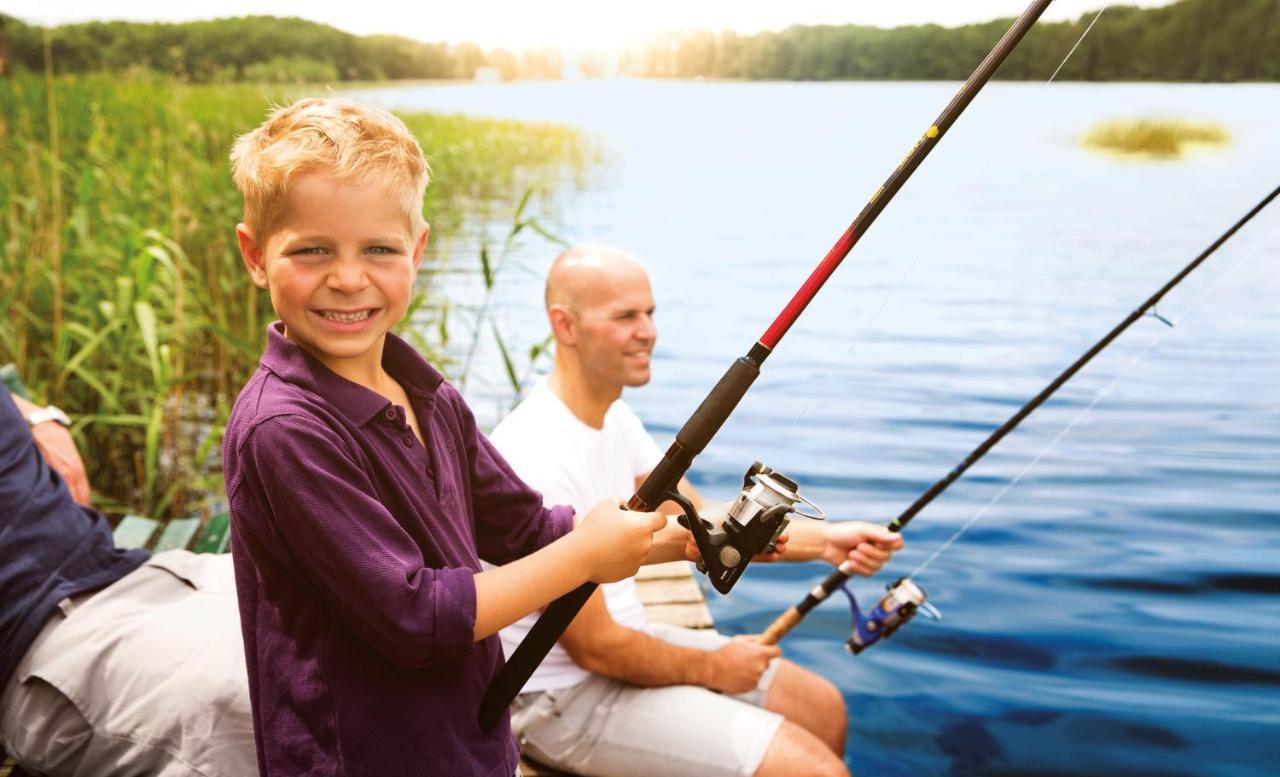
(904, 597)
(728, 548)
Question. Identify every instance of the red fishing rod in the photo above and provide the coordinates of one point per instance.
(726, 550)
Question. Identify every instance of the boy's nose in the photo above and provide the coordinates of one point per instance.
(347, 275)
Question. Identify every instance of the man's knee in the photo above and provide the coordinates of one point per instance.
(795, 752)
(809, 700)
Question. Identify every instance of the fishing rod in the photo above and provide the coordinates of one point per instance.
(904, 598)
(727, 548)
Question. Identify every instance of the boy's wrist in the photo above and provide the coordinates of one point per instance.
(582, 551)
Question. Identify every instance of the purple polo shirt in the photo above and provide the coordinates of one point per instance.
(355, 553)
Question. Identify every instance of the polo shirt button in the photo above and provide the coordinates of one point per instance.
(390, 414)
(408, 441)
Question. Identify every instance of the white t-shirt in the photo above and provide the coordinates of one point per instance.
(573, 463)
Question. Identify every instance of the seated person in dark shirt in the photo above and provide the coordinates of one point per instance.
(111, 661)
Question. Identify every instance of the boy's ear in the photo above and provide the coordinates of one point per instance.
(562, 324)
(421, 246)
(251, 253)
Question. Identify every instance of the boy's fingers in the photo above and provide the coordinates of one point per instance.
(657, 521)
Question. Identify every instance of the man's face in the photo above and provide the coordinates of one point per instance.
(340, 268)
(616, 331)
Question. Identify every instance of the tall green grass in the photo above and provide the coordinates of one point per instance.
(125, 301)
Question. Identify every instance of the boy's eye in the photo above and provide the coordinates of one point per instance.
(381, 250)
(308, 250)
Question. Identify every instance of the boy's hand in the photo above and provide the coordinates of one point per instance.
(737, 665)
(867, 545)
(616, 540)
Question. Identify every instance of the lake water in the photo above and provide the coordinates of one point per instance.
(1116, 611)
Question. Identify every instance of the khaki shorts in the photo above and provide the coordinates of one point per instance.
(146, 676)
(607, 728)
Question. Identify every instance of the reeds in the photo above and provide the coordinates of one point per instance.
(1155, 138)
(125, 300)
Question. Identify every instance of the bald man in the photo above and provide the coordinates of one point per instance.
(619, 697)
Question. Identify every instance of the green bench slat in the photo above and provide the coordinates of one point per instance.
(134, 531)
(216, 534)
(178, 534)
(12, 381)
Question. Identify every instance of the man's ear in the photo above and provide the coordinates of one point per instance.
(563, 325)
(251, 253)
(421, 246)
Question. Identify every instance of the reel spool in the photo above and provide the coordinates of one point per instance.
(902, 599)
(751, 525)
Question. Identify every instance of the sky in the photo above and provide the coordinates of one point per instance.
(584, 24)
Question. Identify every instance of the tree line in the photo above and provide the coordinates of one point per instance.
(260, 48)
(1191, 40)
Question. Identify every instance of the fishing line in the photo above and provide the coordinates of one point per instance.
(1163, 332)
(1073, 48)
(904, 598)
(727, 549)
(861, 331)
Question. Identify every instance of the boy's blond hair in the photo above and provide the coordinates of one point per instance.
(349, 139)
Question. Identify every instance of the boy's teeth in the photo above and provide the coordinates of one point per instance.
(346, 317)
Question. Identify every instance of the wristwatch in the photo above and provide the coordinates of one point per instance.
(49, 413)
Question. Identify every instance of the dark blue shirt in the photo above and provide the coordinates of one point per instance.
(50, 547)
(356, 550)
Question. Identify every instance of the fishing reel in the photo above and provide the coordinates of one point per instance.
(751, 525)
(901, 601)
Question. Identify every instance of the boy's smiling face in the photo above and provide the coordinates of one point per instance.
(339, 266)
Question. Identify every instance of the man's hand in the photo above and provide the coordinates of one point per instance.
(59, 451)
(867, 545)
(737, 665)
(616, 540)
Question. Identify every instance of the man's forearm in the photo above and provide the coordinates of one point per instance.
(639, 659)
(806, 540)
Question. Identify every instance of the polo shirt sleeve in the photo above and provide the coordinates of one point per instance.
(303, 483)
(511, 520)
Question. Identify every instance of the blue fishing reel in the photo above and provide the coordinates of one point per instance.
(901, 601)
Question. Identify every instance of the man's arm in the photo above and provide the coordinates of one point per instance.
(867, 545)
(59, 451)
(598, 644)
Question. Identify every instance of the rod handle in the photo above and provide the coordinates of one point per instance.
(781, 626)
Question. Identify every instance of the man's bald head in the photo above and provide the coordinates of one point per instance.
(600, 308)
(584, 276)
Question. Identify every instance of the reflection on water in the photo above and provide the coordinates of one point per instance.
(1116, 611)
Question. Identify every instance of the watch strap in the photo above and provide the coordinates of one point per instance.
(47, 413)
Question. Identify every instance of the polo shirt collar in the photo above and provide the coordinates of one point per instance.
(292, 363)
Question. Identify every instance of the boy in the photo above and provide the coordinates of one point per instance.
(362, 495)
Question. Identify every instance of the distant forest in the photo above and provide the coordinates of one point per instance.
(1192, 40)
